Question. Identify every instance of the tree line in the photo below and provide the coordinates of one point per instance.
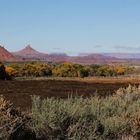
(67, 69)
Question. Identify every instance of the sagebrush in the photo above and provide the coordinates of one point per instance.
(113, 117)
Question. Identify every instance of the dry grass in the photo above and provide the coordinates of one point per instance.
(119, 79)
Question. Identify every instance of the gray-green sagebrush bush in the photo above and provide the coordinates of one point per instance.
(114, 117)
(111, 118)
(13, 123)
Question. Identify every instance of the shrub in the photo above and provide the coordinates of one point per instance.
(13, 123)
(113, 117)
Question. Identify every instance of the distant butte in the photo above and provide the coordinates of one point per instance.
(28, 50)
(30, 54)
(5, 55)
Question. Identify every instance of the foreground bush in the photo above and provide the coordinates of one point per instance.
(13, 123)
(115, 117)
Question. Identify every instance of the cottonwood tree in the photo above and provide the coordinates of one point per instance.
(3, 74)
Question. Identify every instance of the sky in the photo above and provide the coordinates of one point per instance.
(71, 26)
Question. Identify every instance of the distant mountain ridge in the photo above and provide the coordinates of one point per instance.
(124, 55)
(30, 54)
(92, 59)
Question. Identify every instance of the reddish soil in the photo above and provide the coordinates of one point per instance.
(19, 92)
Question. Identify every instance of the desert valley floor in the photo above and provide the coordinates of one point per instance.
(19, 92)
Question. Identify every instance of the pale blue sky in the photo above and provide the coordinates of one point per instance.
(71, 26)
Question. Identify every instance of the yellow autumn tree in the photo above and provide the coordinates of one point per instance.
(120, 70)
(11, 71)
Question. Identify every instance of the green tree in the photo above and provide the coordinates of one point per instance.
(83, 73)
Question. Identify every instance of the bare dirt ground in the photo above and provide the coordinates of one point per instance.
(19, 92)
